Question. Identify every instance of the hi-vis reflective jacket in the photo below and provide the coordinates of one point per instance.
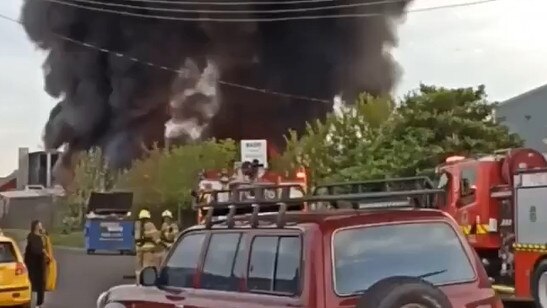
(147, 236)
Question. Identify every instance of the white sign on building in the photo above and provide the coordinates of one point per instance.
(255, 149)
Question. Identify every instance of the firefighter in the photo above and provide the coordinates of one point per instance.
(224, 179)
(148, 242)
(246, 171)
(169, 231)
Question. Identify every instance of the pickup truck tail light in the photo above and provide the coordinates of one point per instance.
(20, 269)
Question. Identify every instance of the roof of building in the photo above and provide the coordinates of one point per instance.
(32, 193)
(519, 97)
(22, 194)
(10, 177)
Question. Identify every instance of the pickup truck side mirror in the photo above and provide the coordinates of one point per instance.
(148, 276)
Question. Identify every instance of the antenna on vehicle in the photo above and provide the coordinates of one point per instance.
(209, 217)
(230, 222)
(254, 216)
(281, 221)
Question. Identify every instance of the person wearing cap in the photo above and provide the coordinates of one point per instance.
(148, 242)
(169, 231)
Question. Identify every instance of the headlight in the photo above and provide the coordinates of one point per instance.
(101, 300)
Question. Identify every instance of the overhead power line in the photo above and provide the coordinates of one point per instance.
(273, 19)
(222, 82)
(179, 71)
(275, 11)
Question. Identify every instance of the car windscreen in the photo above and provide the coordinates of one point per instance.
(7, 254)
(365, 255)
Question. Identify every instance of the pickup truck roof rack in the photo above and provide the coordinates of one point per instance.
(281, 202)
(267, 194)
(387, 184)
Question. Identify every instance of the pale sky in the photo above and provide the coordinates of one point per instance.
(499, 44)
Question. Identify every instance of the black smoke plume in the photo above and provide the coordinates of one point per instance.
(120, 104)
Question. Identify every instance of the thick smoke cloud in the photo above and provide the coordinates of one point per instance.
(120, 104)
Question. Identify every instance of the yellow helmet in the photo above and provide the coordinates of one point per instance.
(144, 214)
(167, 213)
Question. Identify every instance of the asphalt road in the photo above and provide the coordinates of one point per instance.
(81, 277)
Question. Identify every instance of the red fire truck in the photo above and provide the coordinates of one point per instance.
(229, 179)
(500, 202)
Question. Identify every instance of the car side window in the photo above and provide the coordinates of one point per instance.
(181, 268)
(468, 186)
(220, 261)
(262, 263)
(274, 264)
(287, 270)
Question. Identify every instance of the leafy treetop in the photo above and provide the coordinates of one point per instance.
(375, 138)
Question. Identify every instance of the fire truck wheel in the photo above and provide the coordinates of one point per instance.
(403, 292)
(539, 284)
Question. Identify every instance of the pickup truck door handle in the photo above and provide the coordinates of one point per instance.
(175, 297)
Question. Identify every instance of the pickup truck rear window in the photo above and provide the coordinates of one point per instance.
(7, 254)
(363, 256)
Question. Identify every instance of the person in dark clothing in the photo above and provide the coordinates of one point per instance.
(35, 260)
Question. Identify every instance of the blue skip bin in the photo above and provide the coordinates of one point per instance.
(108, 226)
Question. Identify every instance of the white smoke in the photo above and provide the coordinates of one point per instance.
(194, 101)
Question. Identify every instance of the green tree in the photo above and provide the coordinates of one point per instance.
(458, 121)
(375, 139)
(165, 177)
(91, 174)
(336, 144)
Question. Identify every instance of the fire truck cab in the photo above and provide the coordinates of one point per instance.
(500, 203)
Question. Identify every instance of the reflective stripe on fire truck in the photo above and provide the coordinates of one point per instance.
(480, 229)
(542, 248)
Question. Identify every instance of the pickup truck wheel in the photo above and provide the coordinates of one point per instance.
(539, 284)
(403, 292)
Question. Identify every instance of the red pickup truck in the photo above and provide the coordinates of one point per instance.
(361, 256)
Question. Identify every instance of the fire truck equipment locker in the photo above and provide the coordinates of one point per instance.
(530, 246)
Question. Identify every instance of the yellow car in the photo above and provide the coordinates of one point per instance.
(14, 281)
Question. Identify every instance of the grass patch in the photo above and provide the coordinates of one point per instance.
(74, 239)
(18, 235)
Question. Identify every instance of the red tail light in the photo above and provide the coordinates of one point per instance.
(20, 269)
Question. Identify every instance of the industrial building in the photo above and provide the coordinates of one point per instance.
(29, 192)
(525, 115)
